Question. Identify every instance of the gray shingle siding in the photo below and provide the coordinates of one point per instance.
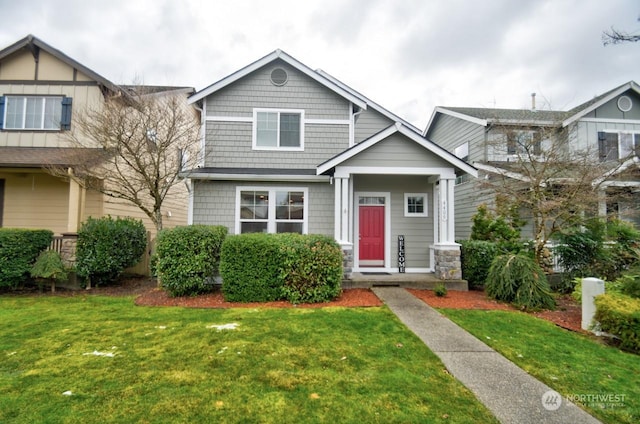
(214, 203)
(368, 123)
(450, 132)
(257, 91)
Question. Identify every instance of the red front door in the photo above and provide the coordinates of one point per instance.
(371, 222)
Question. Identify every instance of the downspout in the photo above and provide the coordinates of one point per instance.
(203, 129)
(352, 130)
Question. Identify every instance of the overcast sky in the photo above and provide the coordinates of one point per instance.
(407, 55)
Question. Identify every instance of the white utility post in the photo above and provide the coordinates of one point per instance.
(591, 287)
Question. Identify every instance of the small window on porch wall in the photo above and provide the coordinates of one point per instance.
(415, 204)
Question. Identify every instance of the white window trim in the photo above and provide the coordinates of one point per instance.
(619, 133)
(272, 222)
(254, 142)
(414, 214)
(24, 112)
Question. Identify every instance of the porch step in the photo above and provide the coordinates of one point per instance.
(407, 281)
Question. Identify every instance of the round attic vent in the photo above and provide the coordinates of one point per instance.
(279, 76)
(625, 103)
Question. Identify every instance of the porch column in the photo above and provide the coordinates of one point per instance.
(341, 222)
(447, 264)
(602, 203)
(75, 206)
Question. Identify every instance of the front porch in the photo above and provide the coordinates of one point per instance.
(426, 281)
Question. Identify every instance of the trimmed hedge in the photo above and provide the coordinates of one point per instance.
(187, 258)
(107, 246)
(620, 315)
(476, 258)
(266, 267)
(312, 268)
(19, 249)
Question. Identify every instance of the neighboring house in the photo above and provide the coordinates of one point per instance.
(41, 89)
(607, 125)
(290, 149)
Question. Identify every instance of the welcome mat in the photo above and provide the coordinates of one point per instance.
(376, 273)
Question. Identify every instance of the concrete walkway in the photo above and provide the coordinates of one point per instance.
(510, 393)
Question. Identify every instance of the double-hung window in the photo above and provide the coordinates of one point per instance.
(613, 145)
(275, 129)
(271, 210)
(35, 112)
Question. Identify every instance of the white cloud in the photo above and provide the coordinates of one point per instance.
(408, 55)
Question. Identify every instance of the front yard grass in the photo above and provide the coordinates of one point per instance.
(101, 359)
(577, 366)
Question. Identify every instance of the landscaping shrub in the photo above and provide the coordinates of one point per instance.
(517, 279)
(19, 249)
(476, 257)
(266, 267)
(250, 268)
(107, 246)
(187, 258)
(620, 315)
(49, 267)
(440, 290)
(312, 268)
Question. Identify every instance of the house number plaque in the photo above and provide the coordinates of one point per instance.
(401, 254)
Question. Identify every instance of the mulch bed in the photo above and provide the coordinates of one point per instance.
(567, 315)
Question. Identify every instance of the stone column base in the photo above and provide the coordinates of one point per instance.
(448, 265)
(347, 260)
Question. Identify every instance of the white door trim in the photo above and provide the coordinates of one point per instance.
(387, 229)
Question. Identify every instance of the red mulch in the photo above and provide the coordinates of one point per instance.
(567, 315)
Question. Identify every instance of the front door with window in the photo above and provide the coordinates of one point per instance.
(371, 245)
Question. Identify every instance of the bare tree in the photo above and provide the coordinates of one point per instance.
(614, 36)
(145, 139)
(553, 185)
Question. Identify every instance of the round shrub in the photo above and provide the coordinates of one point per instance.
(107, 246)
(187, 258)
(19, 249)
(517, 279)
(311, 268)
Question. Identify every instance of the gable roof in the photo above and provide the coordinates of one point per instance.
(35, 44)
(370, 103)
(278, 54)
(586, 107)
(400, 128)
(486, 116)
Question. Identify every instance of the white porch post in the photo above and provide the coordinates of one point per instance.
(447, 265)
(342, 214)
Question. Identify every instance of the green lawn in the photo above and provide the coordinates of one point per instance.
(123, 363)
(570, 363)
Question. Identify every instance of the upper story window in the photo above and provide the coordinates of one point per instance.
(275, 129)
(35, 112)
(613, 145)
(523, 142)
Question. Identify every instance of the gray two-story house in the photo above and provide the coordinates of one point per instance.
(289, 149)
(607, 126)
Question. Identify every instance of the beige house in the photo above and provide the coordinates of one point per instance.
(41, 89)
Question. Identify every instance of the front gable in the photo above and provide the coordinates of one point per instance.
(625, 106)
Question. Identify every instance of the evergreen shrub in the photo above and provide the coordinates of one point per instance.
(19, 249)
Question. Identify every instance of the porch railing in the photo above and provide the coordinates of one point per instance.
(56, 244)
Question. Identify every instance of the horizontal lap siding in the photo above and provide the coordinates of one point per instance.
(215, 203)
(418, 231)
(449, 132)
(397, 151)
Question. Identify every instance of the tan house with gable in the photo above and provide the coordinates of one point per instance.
(40, 90)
